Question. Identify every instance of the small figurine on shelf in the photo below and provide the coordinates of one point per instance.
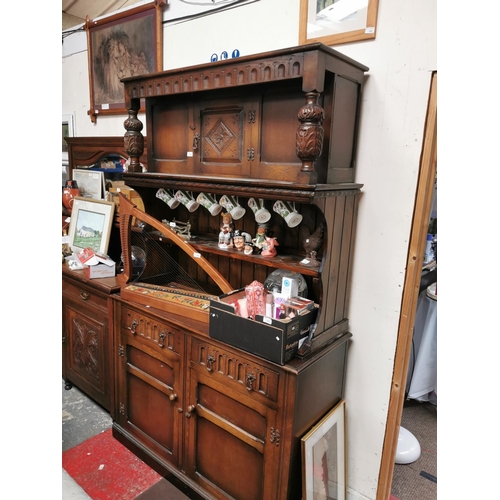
(248, 249)
(269, 249)
(239, 239)
(226, 231)
(260, 238)
(312, 243)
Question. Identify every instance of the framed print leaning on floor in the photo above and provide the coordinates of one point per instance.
(323, 458)
(129, 43)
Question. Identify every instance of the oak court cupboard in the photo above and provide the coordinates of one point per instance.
(218, 421)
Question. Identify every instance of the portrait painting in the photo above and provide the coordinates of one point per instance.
(121, 46)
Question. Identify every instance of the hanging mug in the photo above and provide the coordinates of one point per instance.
(288, 212)
(168, 197)
(231, 204)
(261, 213)
(209, 202)
(187, 199)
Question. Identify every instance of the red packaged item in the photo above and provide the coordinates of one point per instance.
(256, 300)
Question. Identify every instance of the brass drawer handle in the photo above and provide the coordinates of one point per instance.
(250, 379)
(162, 338)
(133, 327)
(210, 362)
(172, 396)
(84, 295)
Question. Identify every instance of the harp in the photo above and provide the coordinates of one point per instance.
(160, 281)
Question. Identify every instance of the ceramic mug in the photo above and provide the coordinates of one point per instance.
(168, 197)
(187, 199)
(210, 203)
(261, 213)
(288, 212)
(231, 204)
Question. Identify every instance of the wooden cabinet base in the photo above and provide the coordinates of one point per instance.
(224, 423)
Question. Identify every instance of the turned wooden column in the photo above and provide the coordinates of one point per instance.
(309, 138)
(134, 140)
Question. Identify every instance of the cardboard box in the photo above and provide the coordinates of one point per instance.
(99, 271)
(272, 339)
(96, 264)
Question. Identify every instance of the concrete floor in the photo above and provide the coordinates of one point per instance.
(81, 420)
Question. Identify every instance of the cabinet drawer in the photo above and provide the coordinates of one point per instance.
(83, 294)
(156, 334)
(234, 370)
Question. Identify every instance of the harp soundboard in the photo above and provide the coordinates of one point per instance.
(170, 299)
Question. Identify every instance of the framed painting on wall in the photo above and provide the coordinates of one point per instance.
(323, 458)
(129, 43)
(337, 21)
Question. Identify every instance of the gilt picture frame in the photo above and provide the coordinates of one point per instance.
(90, 224)
(127, 44)
(323, 457)
(333, 22)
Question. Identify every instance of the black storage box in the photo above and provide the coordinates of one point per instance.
(272, 339)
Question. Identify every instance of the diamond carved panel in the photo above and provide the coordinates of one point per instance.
(222, 133)
(220, 137)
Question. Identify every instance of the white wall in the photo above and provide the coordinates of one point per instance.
(400, 59)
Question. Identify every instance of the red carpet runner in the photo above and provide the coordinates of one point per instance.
(106, 470)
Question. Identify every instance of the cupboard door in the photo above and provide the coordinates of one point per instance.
(149, 393)
(86, 341)
(226, 142)
(231, 441)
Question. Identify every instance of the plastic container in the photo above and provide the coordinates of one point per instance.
(274, 281)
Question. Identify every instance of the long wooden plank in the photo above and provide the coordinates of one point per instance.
(421, 216)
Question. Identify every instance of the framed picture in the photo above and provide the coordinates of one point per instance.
(323, 458)
(129, 43)
(90, 224)
(337, 21)
(90, 183)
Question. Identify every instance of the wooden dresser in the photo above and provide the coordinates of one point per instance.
(218, 421)
(87, 359)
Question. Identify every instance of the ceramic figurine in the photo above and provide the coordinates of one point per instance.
(269, 248)
(226, 231)
(312, 243)
(248, 249)
(260, 238)
(240, 238)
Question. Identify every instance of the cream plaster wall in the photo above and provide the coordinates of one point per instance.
(401, 60)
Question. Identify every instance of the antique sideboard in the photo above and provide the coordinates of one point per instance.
(218, 421)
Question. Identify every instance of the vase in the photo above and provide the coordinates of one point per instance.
(69, 192)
